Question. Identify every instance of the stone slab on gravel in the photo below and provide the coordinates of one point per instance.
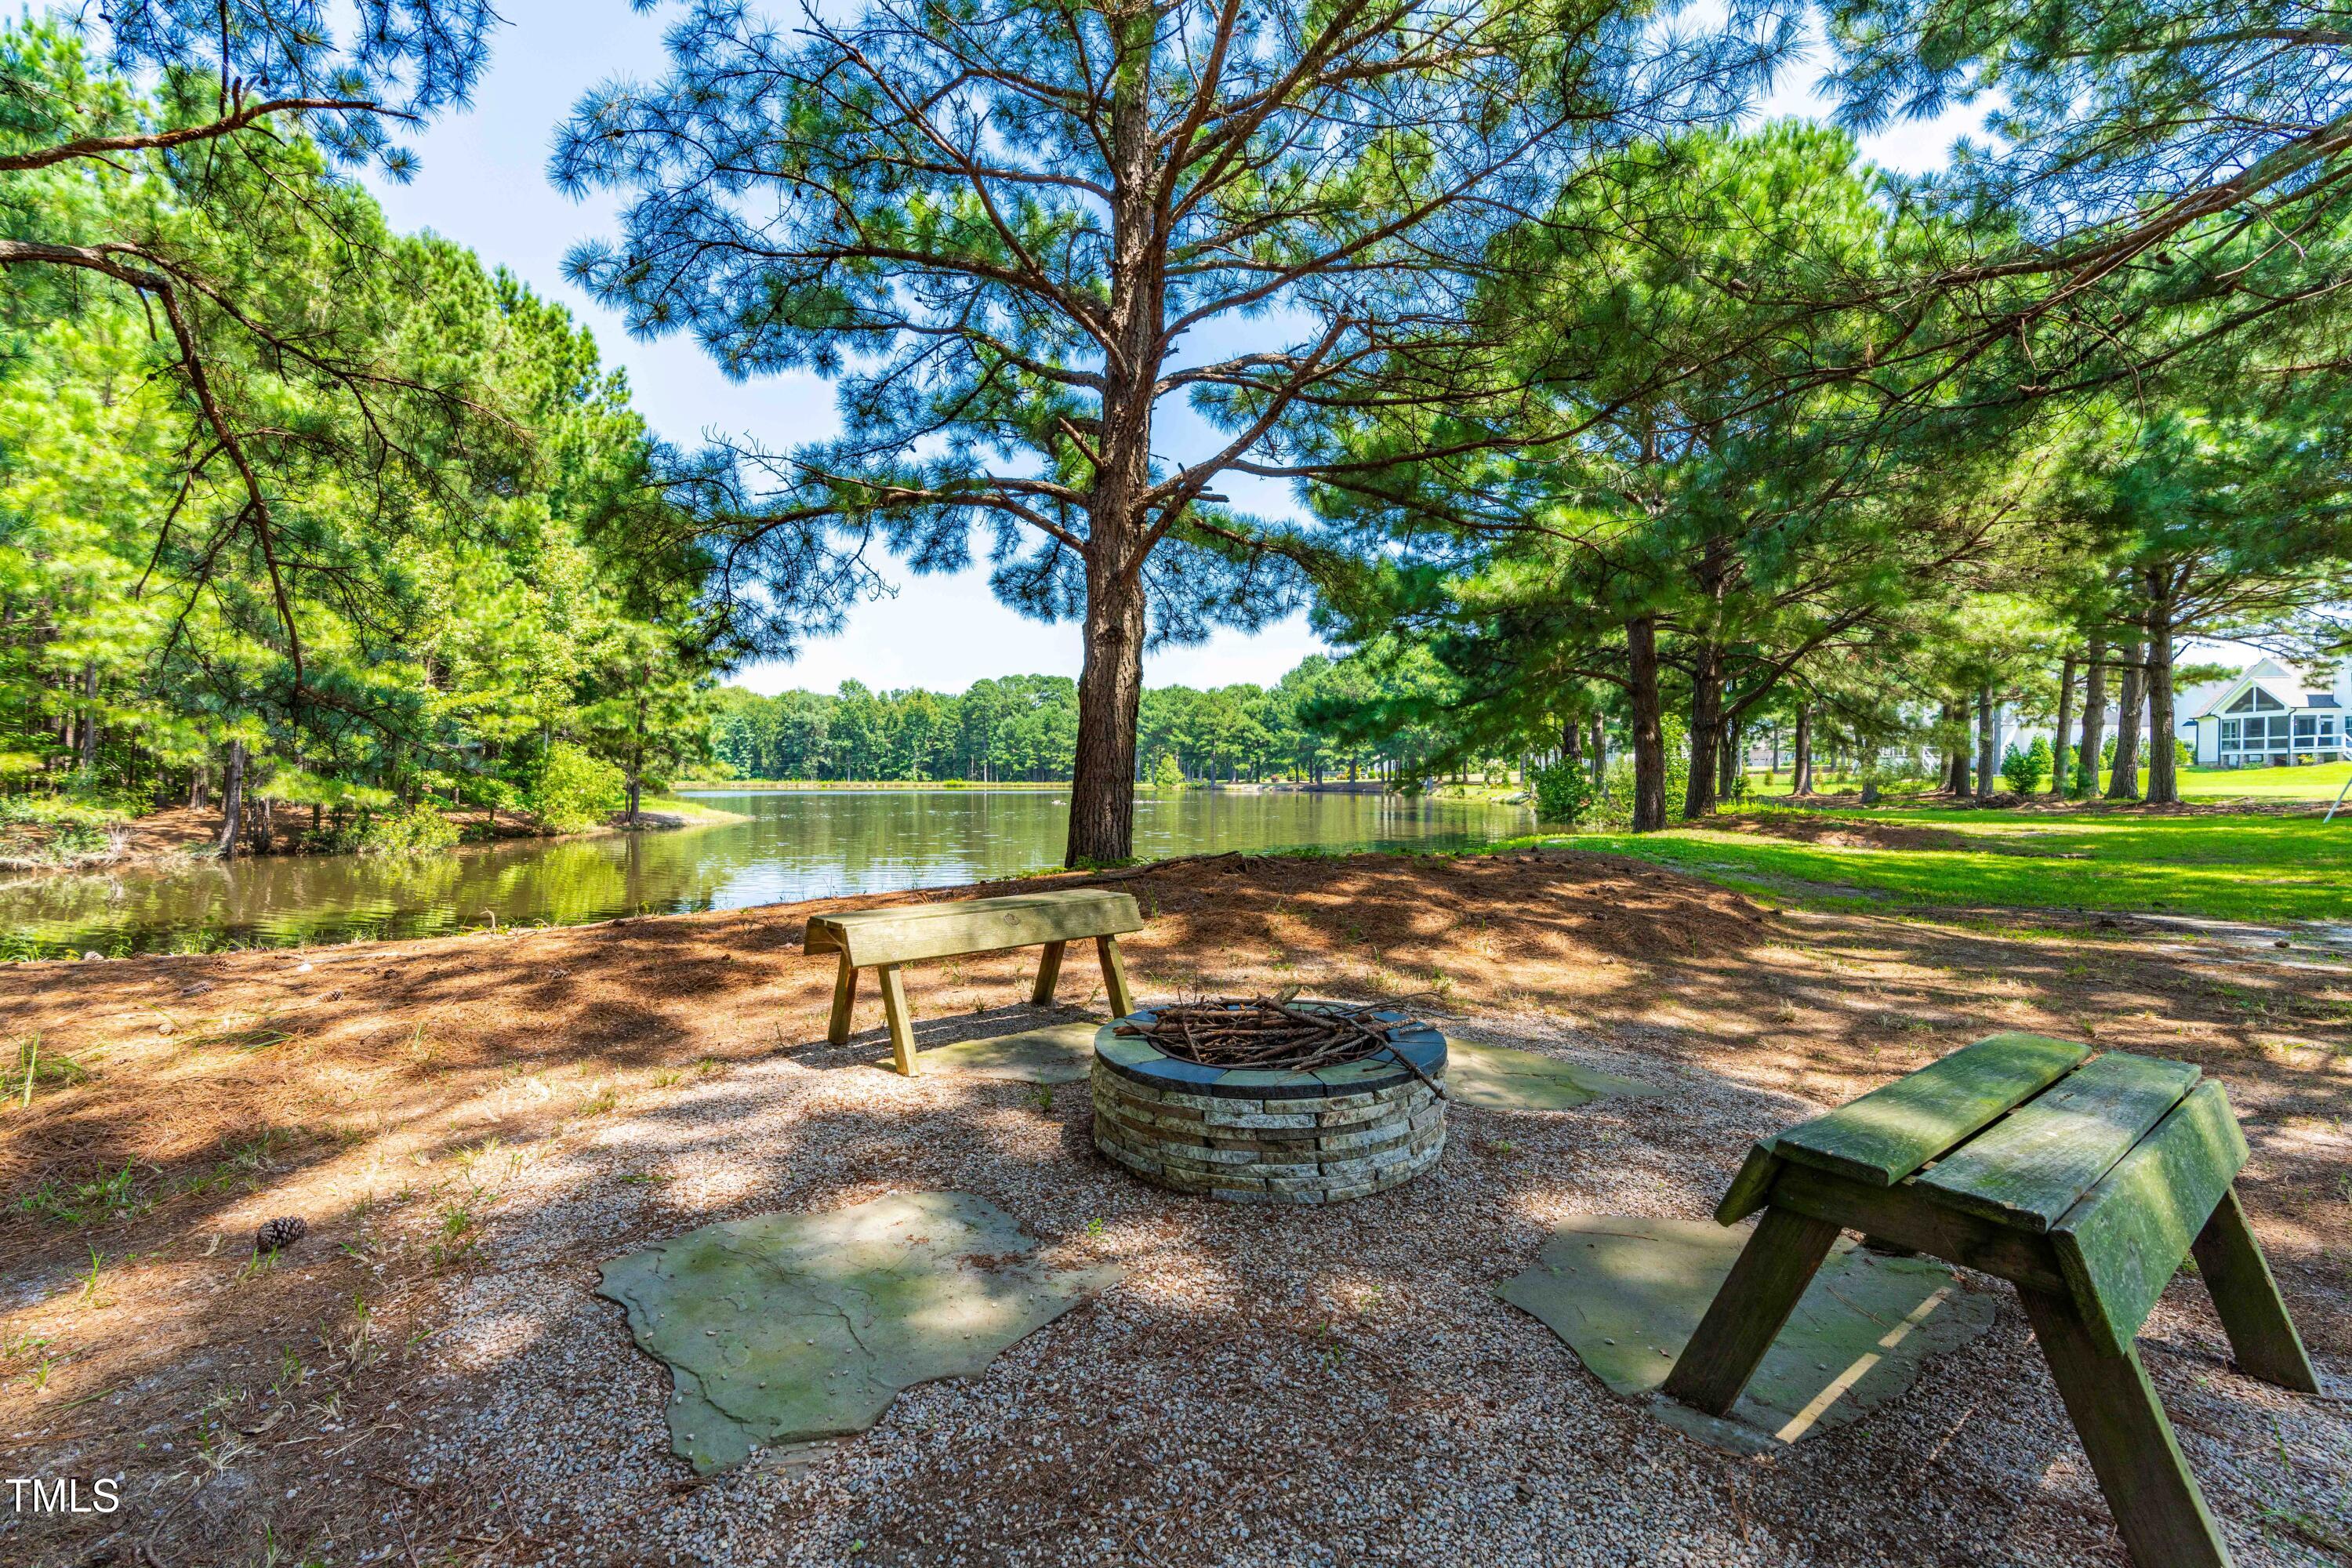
(1501, 1078)
(1059, 1053)
(788, 1327)
(1626, 1294)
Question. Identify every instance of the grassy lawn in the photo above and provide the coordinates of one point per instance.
(2251, 868)
(2319, 782)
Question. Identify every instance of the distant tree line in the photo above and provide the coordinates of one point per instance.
(1325, 721)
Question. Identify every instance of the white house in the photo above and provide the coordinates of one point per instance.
(2264, 716)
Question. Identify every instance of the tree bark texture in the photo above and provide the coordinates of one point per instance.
(89, 718)
(1706, 733)
(2125, 784)
(1110, 681)
(1987, 762)
(2094, 720)
(2163, 770)
(231, 800)
(1646, 727)
(1111, 697)
(1800, 752)
(2059, 768)
(1953, 725)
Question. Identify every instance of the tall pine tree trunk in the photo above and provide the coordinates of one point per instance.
(89, 718)
(1728, 762)
(1110, 698)
(2125, 784)
(232, 800)
(1110, 680)
(1953, 725)
(2163, 772)
(1801, 755)
(1986, 771)
(1705, 732)
(2059, 749)
(1648, 737)
(1599, 756)
(2094, 718)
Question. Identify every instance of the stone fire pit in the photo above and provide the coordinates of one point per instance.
(1255, 1135)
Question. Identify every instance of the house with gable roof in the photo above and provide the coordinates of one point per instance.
(2264, 716)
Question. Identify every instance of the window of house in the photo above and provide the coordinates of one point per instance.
(2255, 700)
(2228, 734)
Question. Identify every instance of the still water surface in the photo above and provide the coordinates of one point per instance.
(791, 844)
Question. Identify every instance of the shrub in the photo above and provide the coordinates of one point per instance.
(417, 830)
(2024, 771)
(1564, 794)
(1168, 774)
(572, 791)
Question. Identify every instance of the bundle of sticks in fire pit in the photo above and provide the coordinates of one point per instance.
(1273, 1032)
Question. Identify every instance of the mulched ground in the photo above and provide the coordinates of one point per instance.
(472, 1124)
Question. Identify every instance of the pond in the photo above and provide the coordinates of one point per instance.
(800, 844)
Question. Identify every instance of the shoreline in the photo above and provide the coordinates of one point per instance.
(1010, 786)
(181, 837)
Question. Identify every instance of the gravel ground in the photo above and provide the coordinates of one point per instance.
(1266, 1387)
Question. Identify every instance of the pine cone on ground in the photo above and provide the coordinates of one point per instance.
(283, 1231)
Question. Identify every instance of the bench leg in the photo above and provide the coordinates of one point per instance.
(1114, 970)
(1762, 1288)
(1049, 969)
(2247, 1299)
(893, 1008)
(2158, 1508)
(844, 997)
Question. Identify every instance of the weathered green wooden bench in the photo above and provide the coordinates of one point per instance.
(2085, 1185)
(886, 939)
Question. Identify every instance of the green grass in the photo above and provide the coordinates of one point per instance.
(696, 813)
(2318, 783)
(2249, 868)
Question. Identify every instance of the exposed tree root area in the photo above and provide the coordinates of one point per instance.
(404, 1098)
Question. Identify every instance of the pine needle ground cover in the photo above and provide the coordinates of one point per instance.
(2239, 867)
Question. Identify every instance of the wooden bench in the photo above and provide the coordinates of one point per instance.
(2086, 1187)
(886, 939)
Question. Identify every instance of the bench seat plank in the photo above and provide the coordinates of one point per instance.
(2030, 1168)
(908, 934)
(1892, 1130)
(2121, 1245)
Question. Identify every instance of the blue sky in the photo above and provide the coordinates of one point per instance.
(484, 184)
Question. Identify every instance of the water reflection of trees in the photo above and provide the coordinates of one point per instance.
(791, 846)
